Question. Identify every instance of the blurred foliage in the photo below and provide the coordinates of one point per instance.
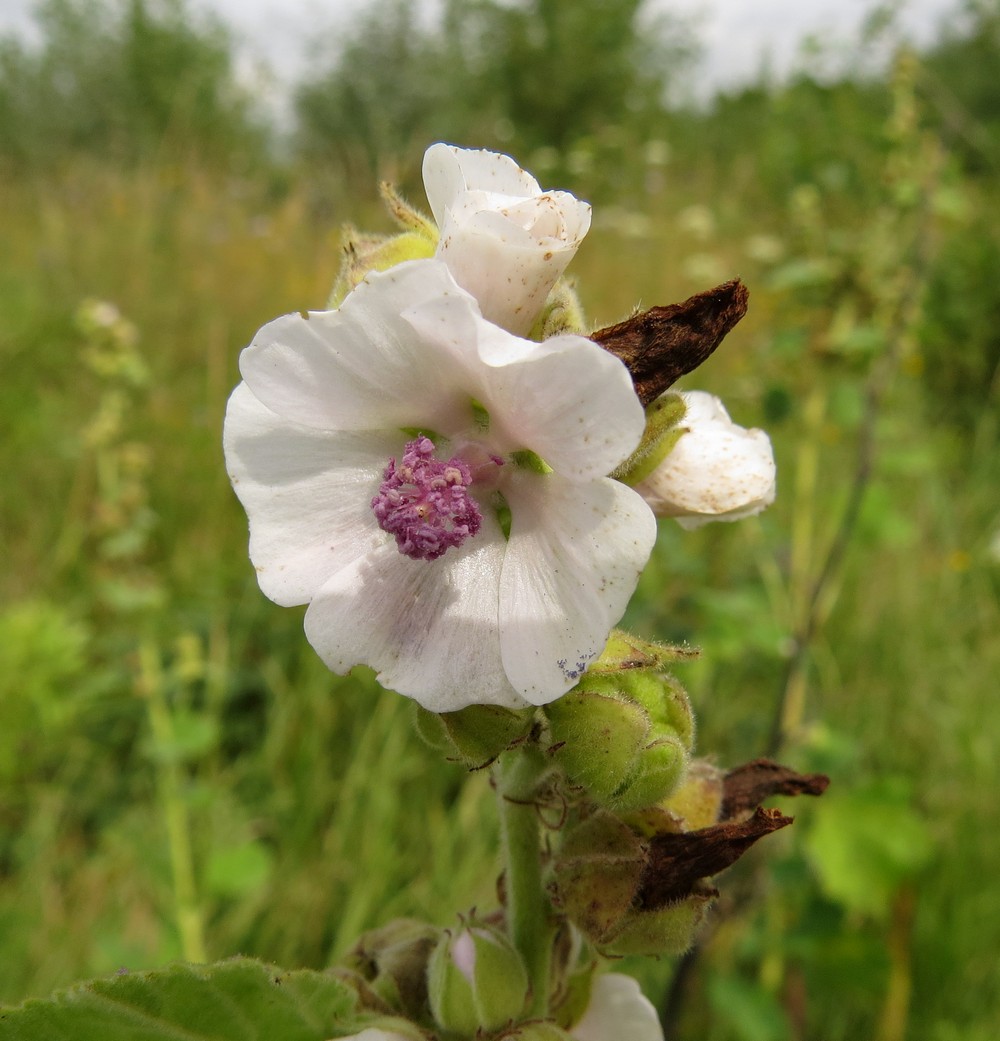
(538, 73)
(160, 720)
(124, 80)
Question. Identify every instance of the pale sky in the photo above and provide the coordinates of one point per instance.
(737, 34)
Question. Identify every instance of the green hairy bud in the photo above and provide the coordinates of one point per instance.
(476, 980)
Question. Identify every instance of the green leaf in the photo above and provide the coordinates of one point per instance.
(236, 1000)
(237, 870)
(865, 843)
(752, 1013)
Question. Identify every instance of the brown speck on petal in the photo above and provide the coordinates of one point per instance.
(662, 344)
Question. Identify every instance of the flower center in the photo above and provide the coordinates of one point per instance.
(425, 503)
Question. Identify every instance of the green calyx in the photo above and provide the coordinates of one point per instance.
(662, 432)
(476, 735)
(598, 878)
(365, 253)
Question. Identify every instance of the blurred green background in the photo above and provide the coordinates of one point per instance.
(179, 776)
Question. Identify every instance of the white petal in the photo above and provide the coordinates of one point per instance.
(510, 279)
(430, 628)
(618, 1011)
(717, 470)
(567, 399)
(360, 366)
(307, 494)
(448, 171)
(504, 239)
(573, 560)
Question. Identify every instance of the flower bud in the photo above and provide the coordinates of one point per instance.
(623, 736)
(476, 735)
(476, 980)
(659, 769)
(598, 737)
(393, 961)
(364, 254)
(716, 470)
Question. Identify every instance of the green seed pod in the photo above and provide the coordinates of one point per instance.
(476, 981)
(597, 874)
(667, 931)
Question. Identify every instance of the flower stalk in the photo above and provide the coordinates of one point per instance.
(529, 917)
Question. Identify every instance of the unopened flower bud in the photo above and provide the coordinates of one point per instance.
(393, 961)
(364, 254)
(476, 980)
(659, 769)
(716, 470)
(598, 737)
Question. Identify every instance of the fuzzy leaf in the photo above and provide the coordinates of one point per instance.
(237, 1000)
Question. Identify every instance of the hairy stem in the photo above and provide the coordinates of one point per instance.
(529, 919)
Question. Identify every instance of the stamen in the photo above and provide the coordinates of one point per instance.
(424, 502)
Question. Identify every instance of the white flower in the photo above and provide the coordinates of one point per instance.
(716, 471)
(398, 545)
(503, 238)
(618, 1010)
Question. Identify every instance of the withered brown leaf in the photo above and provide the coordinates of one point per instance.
(679, 861)
(747, 786)
(662, 344)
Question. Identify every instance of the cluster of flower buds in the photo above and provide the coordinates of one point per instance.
(415, 981)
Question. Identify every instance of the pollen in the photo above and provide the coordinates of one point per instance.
(425, 504)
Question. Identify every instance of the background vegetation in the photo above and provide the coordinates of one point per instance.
(178, 774)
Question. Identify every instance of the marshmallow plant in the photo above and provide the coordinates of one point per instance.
(461, 485)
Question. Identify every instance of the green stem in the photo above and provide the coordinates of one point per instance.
(529, 919)
(190, 924)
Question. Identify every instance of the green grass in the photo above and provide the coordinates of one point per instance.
(313, 810)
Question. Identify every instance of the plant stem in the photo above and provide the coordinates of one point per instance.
(189, 918)
(529, 921)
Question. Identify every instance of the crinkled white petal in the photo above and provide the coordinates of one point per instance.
(431, 629)
(361, 366)
(505, 240)
(573, 560)
(618, 1011)
(566, 399)
(716, 471)
(448, 171)
(307, 494)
